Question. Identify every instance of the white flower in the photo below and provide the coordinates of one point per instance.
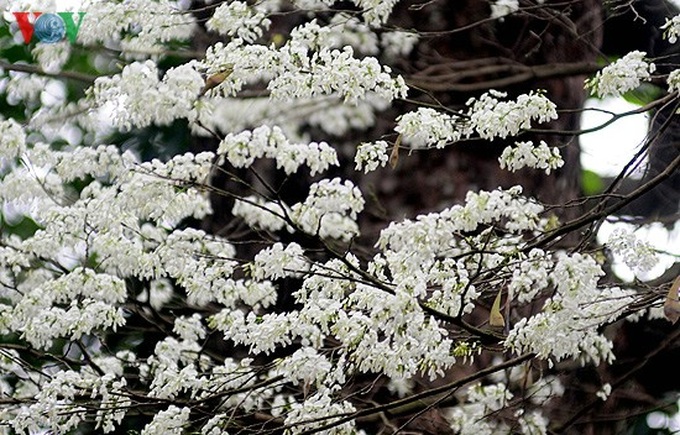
(189, 328)
(533, 423)
(473, 417)
(575, 311)
(493, 118)
(263, 333)
(544, 389)
(12, 139)
(673, 81)
(530, 276)
(604, 392)
(330, 210)
(501, 8)
(376, 12)
(279, 262)
(371, 155)
(427, 127)
(398, 43)
(672, 29)
(332, 72)
(345, 29)
(168, 422)
(338, 118)
(305, 365)
(621, 76)
(637, 254)
(261, 214)
(400, 386)
(320, 404)
(237, 18)
(137, 98)
(243, 148)
(140, 27)
(52, 57)
(25, 87)
(525, 154)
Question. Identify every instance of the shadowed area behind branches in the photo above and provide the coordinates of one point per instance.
(636, 26)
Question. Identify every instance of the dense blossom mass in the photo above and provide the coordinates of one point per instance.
(115, 300)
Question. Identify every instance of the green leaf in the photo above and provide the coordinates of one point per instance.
(24, 228)
(643, 94)
(591, 183)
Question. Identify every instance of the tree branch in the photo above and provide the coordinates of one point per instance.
(20, 67)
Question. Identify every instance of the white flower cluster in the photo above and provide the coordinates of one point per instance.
(455, 294)
(168, 422)
(525, 154)
(168, 206)
(261, 214)
(436, 232)
(12, 140)
(417, 255)
(425, 126)
(330, 209)
(200, 264)
(54, 401)
(140, 28)
(318, 410)
(246, 63)
(635, 253)
(52, 57)
(189, 328)
(398, 43)
(181, 168)
(472, 417)
(371, 155)
(263, 334)
(137, 98)
(237, 18)
(530, 275)
(621, 76)
(41, 323)
(491, 118)
(345, 29)
(567, 325)
(243, 148)
(501, 8)
(487, 116)
(672, 29)
(673, 81)
(24, 87)
(28, 5)
(413, 342)
(307, 366)
(376, 12)
(314, 5)
(604, 392)
(300, 69)
(333, 72)
(327, 114)
(173, 368)
(337, 118)
(278, 262)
